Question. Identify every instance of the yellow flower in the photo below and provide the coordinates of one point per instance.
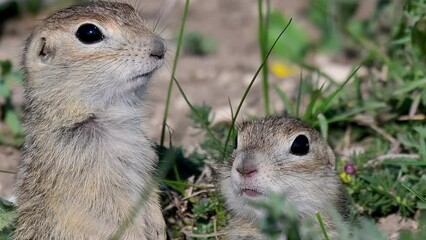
(282, 70)
(346, 178)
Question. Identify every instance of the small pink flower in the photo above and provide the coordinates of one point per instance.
(350, 168)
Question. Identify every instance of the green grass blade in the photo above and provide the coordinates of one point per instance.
(284, 99)
(205, 126)
(324, 104)
(186, 185)
(249, 87)
(317, 71)
(405, 162)
(321, 223)
(263, 45)
(423, 199)
(175, 62)
(309, 113)
(422, 141)
(299, 96)
(345, 115)
(8, 172)
(410, 86)
(230, 107)
(323, 125)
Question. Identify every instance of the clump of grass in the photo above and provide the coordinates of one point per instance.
(175, 62)
(7, 218)
(9, 113)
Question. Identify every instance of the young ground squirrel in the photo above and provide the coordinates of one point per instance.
(281, 155)
(87, 158)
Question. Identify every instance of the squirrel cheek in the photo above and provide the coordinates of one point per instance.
(235, 176)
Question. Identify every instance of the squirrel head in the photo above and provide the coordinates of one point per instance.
(279, 155)
(96, 54)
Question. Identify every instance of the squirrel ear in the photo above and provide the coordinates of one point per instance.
(284, 113)
(331, 158)
(45, 53)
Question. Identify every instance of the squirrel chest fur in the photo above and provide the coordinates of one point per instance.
(87, 157)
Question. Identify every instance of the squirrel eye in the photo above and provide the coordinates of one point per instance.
(300, 146)
(89, 34)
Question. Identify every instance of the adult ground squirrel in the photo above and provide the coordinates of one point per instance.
(281, 155)
(87, 157)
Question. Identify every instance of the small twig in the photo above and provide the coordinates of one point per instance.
(194, 235)
(415, 104)
(203, 175)
(416, 117)
(394, 142)
(382, 158)
(193, 194)
(347, 138)
(370, 122)
(8, 172)
(215, 227)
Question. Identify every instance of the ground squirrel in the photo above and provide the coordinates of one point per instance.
(284, 155)
(87, 157)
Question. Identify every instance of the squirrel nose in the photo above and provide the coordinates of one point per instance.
(158, 48)
(247, 169)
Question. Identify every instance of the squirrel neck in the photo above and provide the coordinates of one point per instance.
(70, 111)
(76, 135)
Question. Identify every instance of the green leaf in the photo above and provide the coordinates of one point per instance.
(422, 141)
(418, 36)
(409, 86)
(203, 207)
(5, 90)
(12, 120)
(424, 97)
(421, 205)
(7, 213)
(318, 14)
(16, 76)
(293, 46)
(197, 44)
(5, 67)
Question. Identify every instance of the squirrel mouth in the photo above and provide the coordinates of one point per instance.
(144, 75)
(139, 81)
(251, 192)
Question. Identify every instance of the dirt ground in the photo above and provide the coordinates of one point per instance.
(210, 79)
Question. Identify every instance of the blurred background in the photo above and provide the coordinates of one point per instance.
(376, 122)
